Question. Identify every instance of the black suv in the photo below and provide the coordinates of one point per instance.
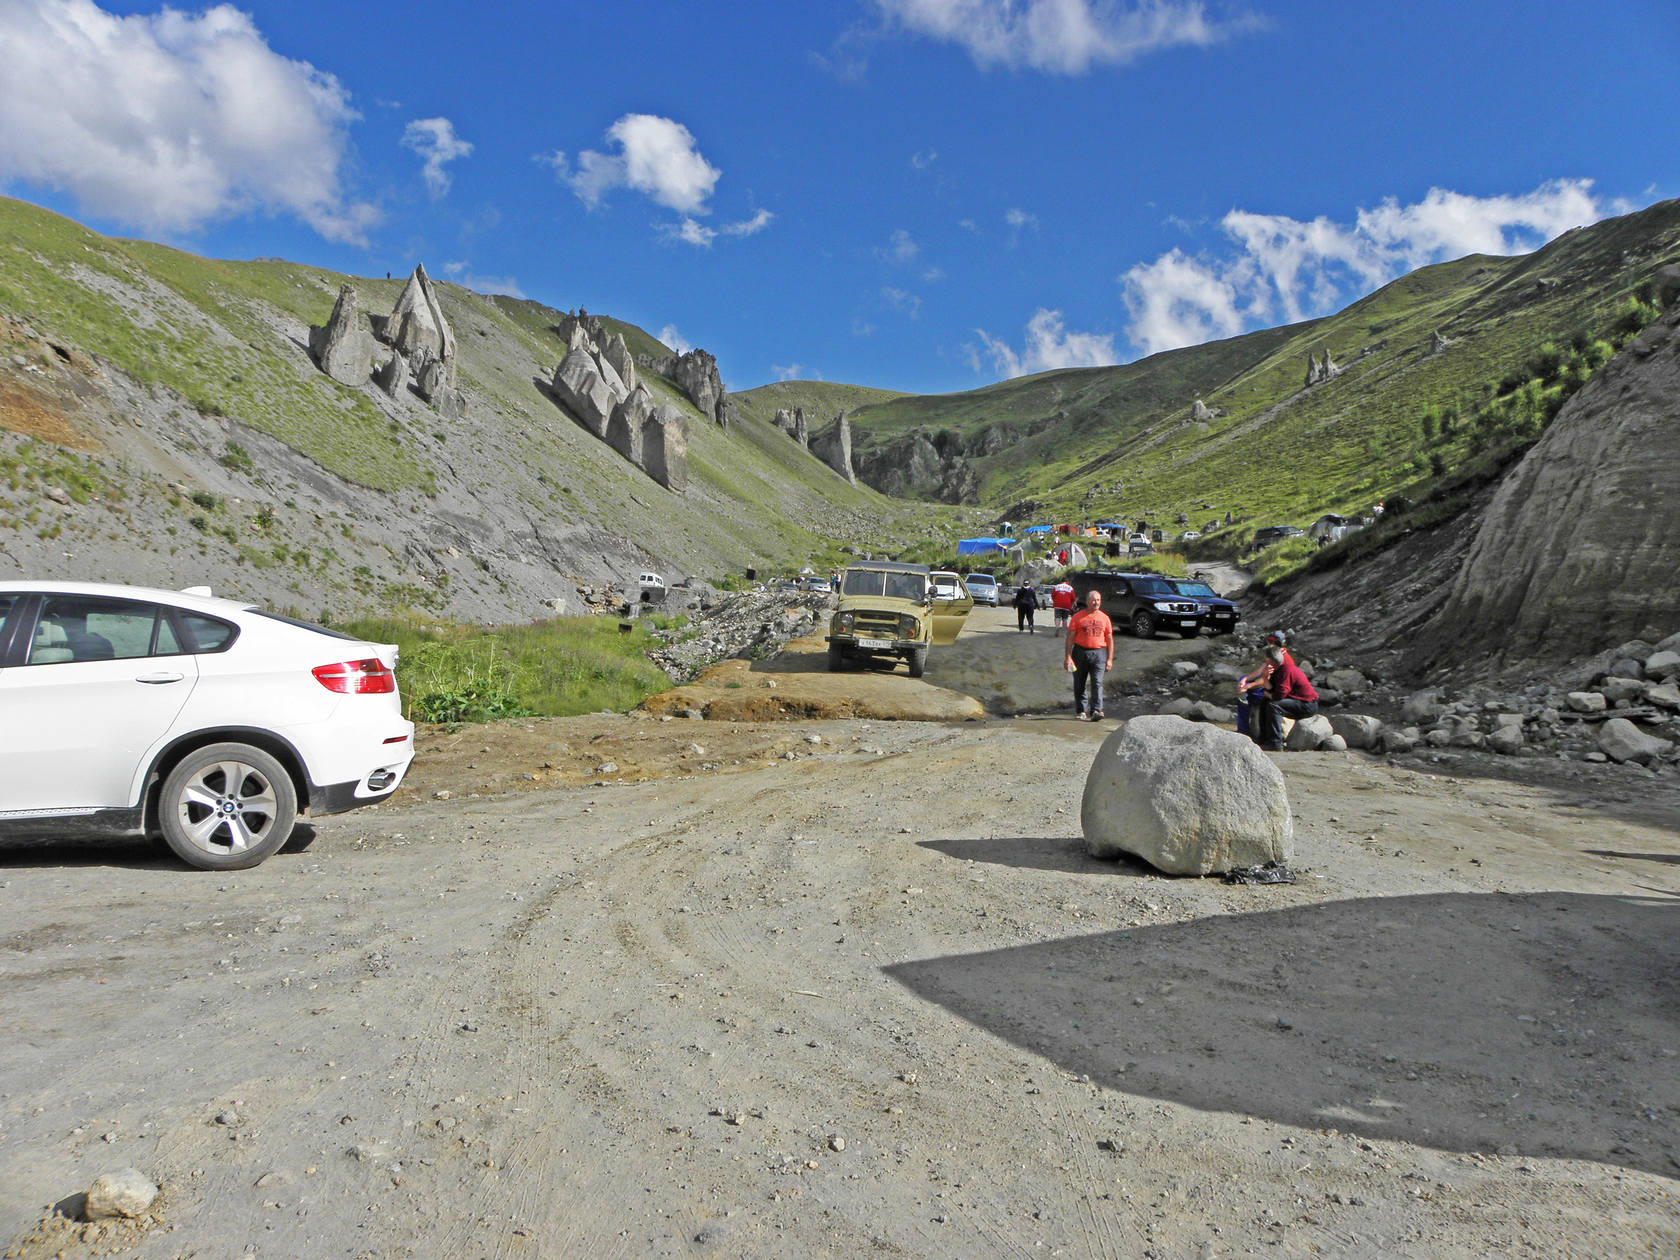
(1218, 613)
(1269, 534)
(1140, 602)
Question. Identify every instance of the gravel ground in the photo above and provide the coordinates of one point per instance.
(633, 986)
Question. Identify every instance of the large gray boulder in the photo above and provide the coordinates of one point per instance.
(1577, 550)
(1309, 734)
(610, 377)
(579, 386)
(392, 376)
(665, 447)
(343, 346)
(1664, 664)
(1360, 730)
(1621, 740)
(1187, 798)
(624, 426)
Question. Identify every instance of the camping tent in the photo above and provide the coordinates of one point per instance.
(980, 546)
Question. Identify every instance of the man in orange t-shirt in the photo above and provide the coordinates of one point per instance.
(1090, 639)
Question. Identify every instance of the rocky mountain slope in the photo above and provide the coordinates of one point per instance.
(1287, 422)
(162, 420)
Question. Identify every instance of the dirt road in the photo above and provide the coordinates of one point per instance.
(624, 986)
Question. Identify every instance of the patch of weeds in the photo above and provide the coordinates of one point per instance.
(235, 456)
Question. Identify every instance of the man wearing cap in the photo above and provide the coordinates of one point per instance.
(1254, 683)
(1090, 637)
(1287, 693)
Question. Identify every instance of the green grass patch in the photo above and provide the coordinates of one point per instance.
(556, 668)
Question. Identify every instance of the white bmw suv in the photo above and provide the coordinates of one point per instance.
(132, 711)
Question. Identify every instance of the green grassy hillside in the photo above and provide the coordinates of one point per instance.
(515, 499)
(1122, 440)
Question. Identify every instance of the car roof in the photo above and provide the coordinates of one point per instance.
(987, 576)
(117, 590)
(888, 566)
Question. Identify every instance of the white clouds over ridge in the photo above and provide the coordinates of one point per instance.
(1059, 36)
(1286, 270)
(1048, 345)
(171, 120)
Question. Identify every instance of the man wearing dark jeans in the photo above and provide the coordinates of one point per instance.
(1089, 654)
(1287, 694)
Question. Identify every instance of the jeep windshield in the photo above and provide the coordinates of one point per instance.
(890, 585)
(1196, 588)
(1155, 588)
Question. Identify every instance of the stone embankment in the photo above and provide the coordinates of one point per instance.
(1622, 705)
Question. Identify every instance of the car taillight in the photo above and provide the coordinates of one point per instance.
(371, 677)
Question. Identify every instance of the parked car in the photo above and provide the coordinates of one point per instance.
(1189, 535)
(1140, 547)
(983, 587)
(1143, 603)
(887, 609)
(1218, 613)
(1269, 534)
(816, 585)
(132, 711)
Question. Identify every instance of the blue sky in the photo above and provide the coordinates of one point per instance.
(924, 195)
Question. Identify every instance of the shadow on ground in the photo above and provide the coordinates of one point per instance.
(1057, 853)
(1546, 1023)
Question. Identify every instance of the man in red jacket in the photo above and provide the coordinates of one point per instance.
(1288, 693)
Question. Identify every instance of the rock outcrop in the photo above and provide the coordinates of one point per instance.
(665, 447)
(1201, 413)
(792, 422)
(1187, 798)
(598, 384)
(343, 346)
(1319, 371)
(696, 374)
(1577, 550)
(834, 447)
(422, 344)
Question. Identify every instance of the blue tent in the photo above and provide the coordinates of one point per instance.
(977, 546)
(1036, 529)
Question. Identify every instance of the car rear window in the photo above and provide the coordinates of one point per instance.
(205, 634)
(302, 625)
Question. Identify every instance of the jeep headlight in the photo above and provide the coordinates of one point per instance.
(1163, 606)
(843, 623)
(908, 626)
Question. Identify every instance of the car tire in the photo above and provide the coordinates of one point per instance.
(226, 807)
(836, 658)
(1143, 625)
(917, 661)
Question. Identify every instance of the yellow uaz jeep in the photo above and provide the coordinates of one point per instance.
(896, 610)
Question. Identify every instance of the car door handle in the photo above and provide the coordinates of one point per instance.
(159, 678)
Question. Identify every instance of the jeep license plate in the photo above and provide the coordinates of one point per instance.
(878, 645)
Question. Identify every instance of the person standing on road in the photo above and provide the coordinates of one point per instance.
(1026, 603)
(1061, 599)
(1287, 694)
(1089, 655)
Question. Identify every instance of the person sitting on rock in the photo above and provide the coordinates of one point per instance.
(1287, 693)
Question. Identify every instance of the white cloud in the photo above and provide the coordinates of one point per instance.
(462, 274)
(435, 141)
(926, 158)
(1279, 267)
(1177, 301)
(902, 300)
(750, 227)
(1048, 345)
(656, 157)
(1059, 36)
(787, 371)
(669, 336)
(171, 120)
(693, 232)
(1018, 219)
(901, 248)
